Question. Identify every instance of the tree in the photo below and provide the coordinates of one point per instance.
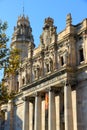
(9, 60)
(3, 93)
(10, 71)
(13, 63)
(4, 51)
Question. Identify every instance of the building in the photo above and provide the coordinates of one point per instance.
(51, 82)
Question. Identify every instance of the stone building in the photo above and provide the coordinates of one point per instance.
(51, 82)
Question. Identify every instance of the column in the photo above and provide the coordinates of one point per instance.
(74, 106)
(11, 113)
(26, 114)
(37, 125)
(51, 111)
(57, 103)
(68, 107)
(31, 114)
(6, 117)
(43, 114)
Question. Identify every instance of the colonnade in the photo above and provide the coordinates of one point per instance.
(34, 112)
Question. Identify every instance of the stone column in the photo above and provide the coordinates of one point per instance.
(6, 117)
(57, 103)
(43, 114)
(26, 114)
(68, 107)
(74, 106)
(31, 114)
(10, 116)
(51, 111)
(37, 125)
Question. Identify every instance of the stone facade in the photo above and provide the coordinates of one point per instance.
(51, 82)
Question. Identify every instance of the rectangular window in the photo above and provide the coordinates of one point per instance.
(62, 60)
(47, 67)
(17, 89)
(81, 56)
(35, 74)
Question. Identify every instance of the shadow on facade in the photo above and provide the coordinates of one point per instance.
(10, 121)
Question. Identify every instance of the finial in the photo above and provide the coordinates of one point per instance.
(68, 20)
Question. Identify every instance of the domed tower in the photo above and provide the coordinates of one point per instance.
(22, 37)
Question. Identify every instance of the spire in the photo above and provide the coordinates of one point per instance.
(23, 7)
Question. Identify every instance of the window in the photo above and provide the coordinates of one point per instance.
(17, 89)
(81, 56)
(47, 67)
(51, 65)
(23, 80)
(35, 74)
(62, 60)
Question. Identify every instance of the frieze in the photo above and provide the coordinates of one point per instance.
(47, 83)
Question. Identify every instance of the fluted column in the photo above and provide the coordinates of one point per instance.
(68, 107)
(26, 114)
(51, 111)
(37, 125)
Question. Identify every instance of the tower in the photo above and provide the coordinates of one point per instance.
(22, 37)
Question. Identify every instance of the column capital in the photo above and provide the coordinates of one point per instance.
(25, 98)
(67, 84)
(50, 89)
(37, 94)
(53, 89)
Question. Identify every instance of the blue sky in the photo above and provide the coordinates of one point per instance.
(38, 10)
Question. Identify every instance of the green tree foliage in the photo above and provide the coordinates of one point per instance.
(3, 45)
(9, 60)
(10, 70)
(3, 93)
(13, 63)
